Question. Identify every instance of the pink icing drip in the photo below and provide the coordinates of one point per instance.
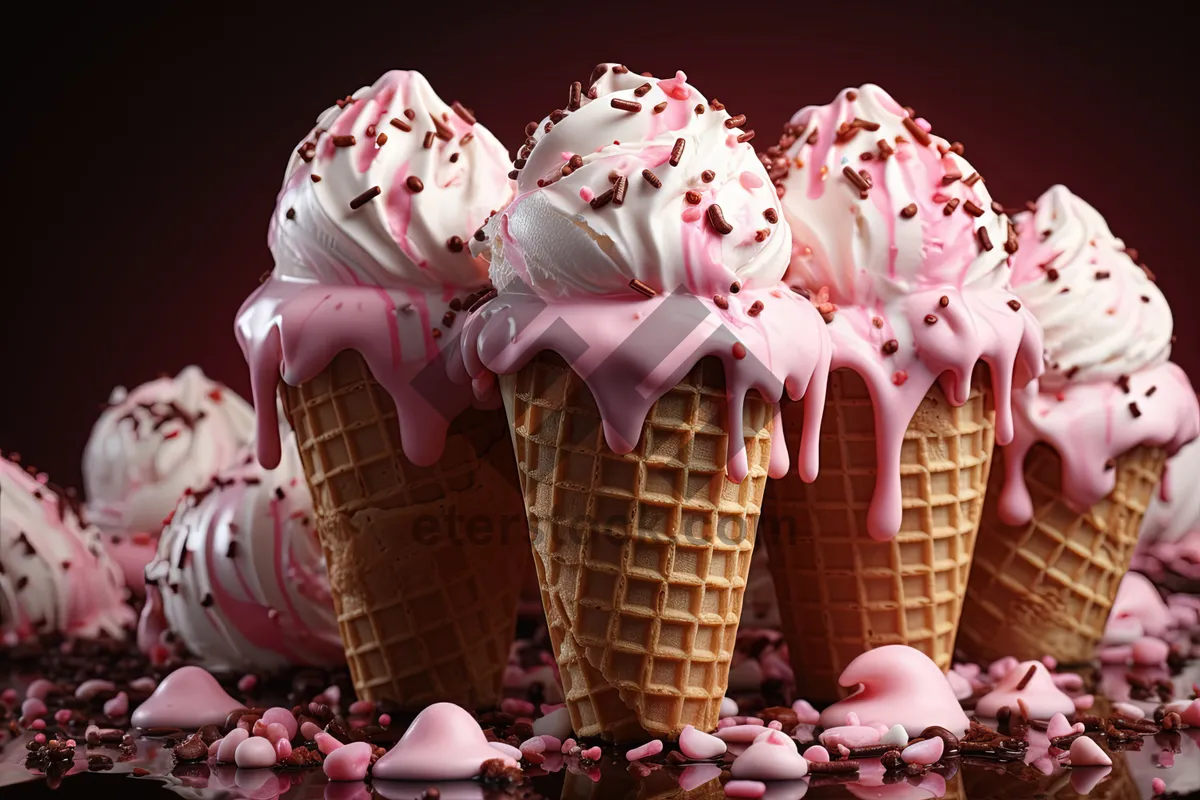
(1067, 421)
(398, 206)
(289, 329)
(342, 126)
(626, 376)
(973, 327)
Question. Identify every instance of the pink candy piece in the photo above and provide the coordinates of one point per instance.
(592, 754)
(700, 746)
(745, 789)
(1120, 654)
(89, 689)
(283, 749)
(517, 707)
(281, 716)
(247, 682)
(187, 698)
(851, 736)
(1058, 727)
(214, 748)
(805, 713)
(1086, 753)
(959, 685)
(1050, 662)
(1037, 691)
(1191, 715)
(1150, 652)
(774, 758)
(277, 733)
(651, 748)
(40, 688)
(817, 754)
(506, 749)
(926, 752)
(117, 706)
(309, 731)
(385, 720)
(255, 753)
(1068, 681)
(444, 743)
(728, 708)
(1129, 710)
(739, 733)
(9, 696)
(1084, 701)
(534, 745)
(258, 729)
(62, 716)
(349, 762)
(33, 708)
(1158, 786)
(553, 745)
(333, 695)
(997, 670)
(227, 747)
(326, 743)
(40, 738)
(566, 746)
(362, 707)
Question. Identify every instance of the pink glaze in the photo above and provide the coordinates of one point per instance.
(187, 698)
(856, 249)
(928, 751)
(628, 366)
(897, 685)
(444, 743)
(1042, 698)
(1089, 424)
(348, 763)
(773, 758)
(651, 748)
(1086, 753)
(698, 745)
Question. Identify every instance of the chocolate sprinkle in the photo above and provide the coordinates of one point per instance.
(716, 218)
(463, 112)
(365, 197)
(1133, 409)
(909, 211)
(574, 96)
(985, 241)
(745, 137)
(857, 180)
(661, 107)
(652, 179)
(291, 213)
(1027, 677)
(735, 122)
(676, 153)
(720, 302)
(344, 141)
(943, 301)
(641, 90)
(428, 143)
(971, 208)
(396, 122)
(642, 288)
(952, 204)
(414, 184)
(625, 105)
(707, 176)
(917, 132)
(454, 244)
(930, 319)
(693, 197)
(755, 308)
(619, 189)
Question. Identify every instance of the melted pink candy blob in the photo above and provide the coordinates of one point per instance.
(1040, 695)
(227, 747)
(255, 753)
(774, 758)
(926, 752)
(699, 745)
(897, 685)
(187, 698)
(348, 763)
(444, 743)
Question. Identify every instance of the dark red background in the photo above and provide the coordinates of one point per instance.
(148, 148)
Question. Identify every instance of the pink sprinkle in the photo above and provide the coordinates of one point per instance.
(326, 743)
(651, 748)
(691, 214)
(745, 789)
(283, 749)
(1158, 786)
(385, 720)
(247, 682)
(40, 738)
(567, 745)
(817, 754)
(1050, 662)
(924, 124)
(62, 716)
(586, 194)
(1023, 707)
(1068, 681)
(592, 754)
(1084, 702)
(516, 707)
(899, 377)
(749, 180)
(362, 707)
(38, 725)
(309, 731)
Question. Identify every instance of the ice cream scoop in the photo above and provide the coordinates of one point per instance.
(55, 575)
(644, 236)
(1108, 337)
(369, 239)
(239, 577)
(895, 234)
(149, 446)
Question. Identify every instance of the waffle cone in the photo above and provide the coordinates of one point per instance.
(841, 592)
(425, 563)
(1046, 588)
(642, 558)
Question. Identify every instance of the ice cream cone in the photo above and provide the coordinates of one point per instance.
(842, 592)
(642, 558)
(425, 563)
(1046, 587)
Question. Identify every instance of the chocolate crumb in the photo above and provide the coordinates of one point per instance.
(1015, 305)
(1134, 410)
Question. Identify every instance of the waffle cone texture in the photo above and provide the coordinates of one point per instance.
(1047, 587)
(425, 563)
(841, 592)
(642, 558)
